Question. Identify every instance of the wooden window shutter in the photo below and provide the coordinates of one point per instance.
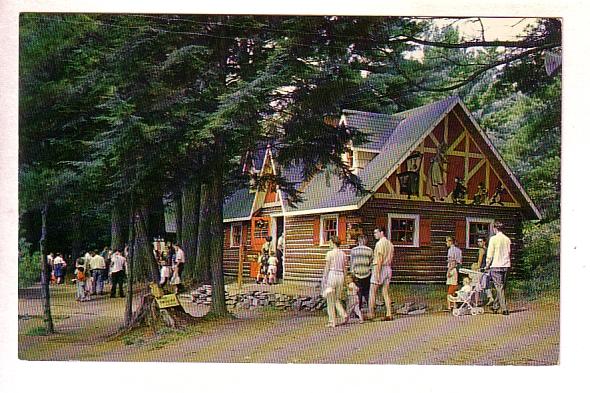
(460, 233)
(316, 230)
(425, 231)
(342, 228)
(381, 222)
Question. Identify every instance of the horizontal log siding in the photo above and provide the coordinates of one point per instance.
(427, 263)
(304, 260)
(230, 254)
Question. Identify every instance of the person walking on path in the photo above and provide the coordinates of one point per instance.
(97, 267)
(59, 268)
(361, 257)
(179, 260)
(381, 273)
(80, 284)
(333, 282)
(117, 272)
(353, 306)
(498, 263)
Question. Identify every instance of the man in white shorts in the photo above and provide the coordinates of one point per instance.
(381, 273)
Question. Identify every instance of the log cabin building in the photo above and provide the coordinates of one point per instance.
(431, 172)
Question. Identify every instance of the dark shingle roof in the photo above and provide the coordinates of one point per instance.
(239, 204)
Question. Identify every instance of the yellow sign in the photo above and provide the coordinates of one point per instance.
(167, 301)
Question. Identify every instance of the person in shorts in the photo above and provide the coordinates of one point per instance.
(381, 273)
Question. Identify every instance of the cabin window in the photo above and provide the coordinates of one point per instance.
(328, 228)
(476, 228)
(235, 238)
(404, 229)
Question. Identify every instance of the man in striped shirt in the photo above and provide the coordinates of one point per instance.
(498, 263)
(361, 257)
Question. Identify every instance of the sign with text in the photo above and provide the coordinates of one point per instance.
(168, 301)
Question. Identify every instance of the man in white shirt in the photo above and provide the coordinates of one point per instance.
(117, 272)
(498, 263)
(381, 273)
(179, 261)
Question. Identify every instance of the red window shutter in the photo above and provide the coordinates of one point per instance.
(460, 234)
(425, 231)
(381, 222)
(316, 230)
(342, 229)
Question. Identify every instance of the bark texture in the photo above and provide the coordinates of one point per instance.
(218, 306)
(45, 273)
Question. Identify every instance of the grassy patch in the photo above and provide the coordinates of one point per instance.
(37, 331)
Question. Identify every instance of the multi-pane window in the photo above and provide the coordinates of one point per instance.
(236, 235)
(329, 228)
(477, 228)
(403, 230)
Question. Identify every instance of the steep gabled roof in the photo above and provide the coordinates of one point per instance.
(324, 191)
(395, 137)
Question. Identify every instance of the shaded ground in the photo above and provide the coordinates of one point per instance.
(528, 336)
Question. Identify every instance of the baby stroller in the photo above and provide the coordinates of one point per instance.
(469, 300)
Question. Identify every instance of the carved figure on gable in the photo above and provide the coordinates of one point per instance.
(460, 192)
(481, 195)
(435, 179)
(409, 180)
(496, 198)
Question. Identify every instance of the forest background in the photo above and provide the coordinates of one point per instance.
(118, 112)
(571, 104)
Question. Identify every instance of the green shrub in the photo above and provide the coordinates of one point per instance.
(541, 259)
(29, 266)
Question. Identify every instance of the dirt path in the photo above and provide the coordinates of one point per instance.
(529, 335)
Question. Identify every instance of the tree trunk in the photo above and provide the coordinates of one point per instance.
(130, 268)
(177, 206)
(76, 236)
(218, 306)
(145, 265)
(202, 267)
(45, 273)
(118, 226)
(190, 225)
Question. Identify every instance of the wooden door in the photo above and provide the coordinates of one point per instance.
(260, 229)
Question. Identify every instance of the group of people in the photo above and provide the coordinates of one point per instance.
(92, 271)
(493, 260)
(171, 260)
(270, 261)
(369, 271)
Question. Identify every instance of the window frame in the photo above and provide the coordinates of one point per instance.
(477, 220)
(416, 235)
(231, 234)
(323, 218)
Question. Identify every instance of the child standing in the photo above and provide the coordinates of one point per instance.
(352, 298)
(452, 281)
(80, 284)
(272, 268)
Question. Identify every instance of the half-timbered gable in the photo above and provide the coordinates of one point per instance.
(431, 172)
